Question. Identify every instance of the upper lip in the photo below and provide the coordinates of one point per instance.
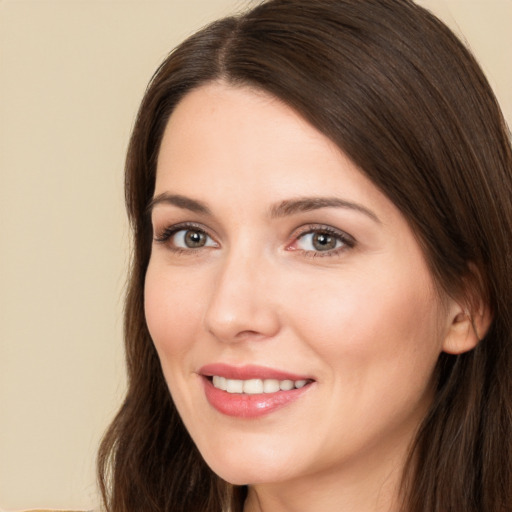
(247, 372)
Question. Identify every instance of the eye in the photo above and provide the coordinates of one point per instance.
(182, 238)
(325, 240)
(318, 242)
(191, 239)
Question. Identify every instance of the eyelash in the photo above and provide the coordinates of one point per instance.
(165, 236)
(348, 242)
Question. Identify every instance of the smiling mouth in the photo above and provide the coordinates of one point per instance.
(256, 386)
(252, 391)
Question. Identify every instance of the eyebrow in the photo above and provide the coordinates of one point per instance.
(282, 209)
(306, 204)
(180, 201)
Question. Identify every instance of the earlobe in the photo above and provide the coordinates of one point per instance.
(467, 328)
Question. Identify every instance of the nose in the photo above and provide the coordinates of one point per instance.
(243, 304)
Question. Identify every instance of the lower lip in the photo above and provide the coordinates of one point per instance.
(242, 405)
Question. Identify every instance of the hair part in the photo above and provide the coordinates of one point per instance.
(405, 100)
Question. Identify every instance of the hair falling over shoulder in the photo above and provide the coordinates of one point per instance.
(405, 100)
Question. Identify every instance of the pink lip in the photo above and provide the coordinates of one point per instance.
(248, 372)
(248, 406)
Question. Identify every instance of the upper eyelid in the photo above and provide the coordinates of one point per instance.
(172, 229)
(181, 225)
(312, 228)
(168, 222)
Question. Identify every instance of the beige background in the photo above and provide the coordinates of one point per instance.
(71, 76)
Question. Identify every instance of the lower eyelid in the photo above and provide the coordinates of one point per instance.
(325, 254)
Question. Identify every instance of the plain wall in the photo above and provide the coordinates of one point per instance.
(72, 74)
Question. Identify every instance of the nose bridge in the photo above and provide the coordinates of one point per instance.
(241, 303)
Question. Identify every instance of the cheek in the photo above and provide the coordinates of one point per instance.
(172, 308)
(389, 324)
(379, 341)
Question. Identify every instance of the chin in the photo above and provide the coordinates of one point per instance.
(239, 467)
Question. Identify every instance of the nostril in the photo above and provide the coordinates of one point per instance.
(248, 334)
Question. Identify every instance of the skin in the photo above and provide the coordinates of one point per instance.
(363, 319)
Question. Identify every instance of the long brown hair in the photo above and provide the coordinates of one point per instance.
(403, 98)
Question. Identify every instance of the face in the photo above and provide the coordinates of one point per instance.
(293, 312)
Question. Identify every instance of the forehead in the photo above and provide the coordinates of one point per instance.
(240, 138)
(247, 124)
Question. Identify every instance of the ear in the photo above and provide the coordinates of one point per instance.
(469, 319)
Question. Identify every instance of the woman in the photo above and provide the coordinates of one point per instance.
(318, 315)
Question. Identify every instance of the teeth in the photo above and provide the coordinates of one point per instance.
(286, 385)
(253, 386)
(219, 382)
(256, 386)
(234, 386)
(270, 386)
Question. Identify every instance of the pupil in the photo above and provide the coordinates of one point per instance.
(194, 239)
(324, 242)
